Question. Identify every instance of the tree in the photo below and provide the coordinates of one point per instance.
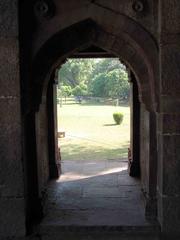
(98, 77)
(106, 65)
(117, 85)
(97, 86)
(80, 90)
(112, 84)
(75, 71)
(66, 91)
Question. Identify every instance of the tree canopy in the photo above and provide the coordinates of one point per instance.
(105, 77)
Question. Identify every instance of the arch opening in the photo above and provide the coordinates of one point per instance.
(104, 171)
(52, 55)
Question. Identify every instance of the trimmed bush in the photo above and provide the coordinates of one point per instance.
(118, 117)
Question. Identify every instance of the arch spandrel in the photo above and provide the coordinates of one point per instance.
(78, 36)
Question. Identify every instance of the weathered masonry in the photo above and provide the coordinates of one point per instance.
(36, 37)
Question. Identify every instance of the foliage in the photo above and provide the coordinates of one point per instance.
(94, 77)
(118, 117)
(98, 85)
(113, 84)
(75, 71)
(66, 91)
(80, 90)
(106, 65)
(117, 84)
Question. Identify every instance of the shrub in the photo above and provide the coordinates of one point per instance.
(118, 117)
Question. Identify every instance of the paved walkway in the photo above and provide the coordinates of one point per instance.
(95, 193)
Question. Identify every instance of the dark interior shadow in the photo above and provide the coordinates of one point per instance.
(67, 192)
(66, 199)
(96, 201)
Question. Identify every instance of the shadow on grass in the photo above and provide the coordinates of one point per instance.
(79, 152)
(110, 125)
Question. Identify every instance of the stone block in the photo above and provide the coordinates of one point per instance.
(170, 14)
(10, 111)
(9, 67)
(170, 214)
(11, 172)
(108, 11)
(104, 40)
(9, 18)
(169, 104)
(169, 123)
(123, 48)
(170, 158)
(170, 74)
(12, 217)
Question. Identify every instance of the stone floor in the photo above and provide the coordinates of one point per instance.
(94, 194)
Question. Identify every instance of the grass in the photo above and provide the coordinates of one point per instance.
(91, 132)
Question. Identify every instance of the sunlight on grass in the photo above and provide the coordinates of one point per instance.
(90, 132)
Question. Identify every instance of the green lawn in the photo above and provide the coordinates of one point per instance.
(91, 132)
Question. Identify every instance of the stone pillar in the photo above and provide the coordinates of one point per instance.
(152, 155)
(148, 160)
(151, 195)
(134, 166)
(12, 202)
(169, 117)
(54, 155)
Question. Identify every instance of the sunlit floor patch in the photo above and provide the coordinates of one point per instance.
(95, 193)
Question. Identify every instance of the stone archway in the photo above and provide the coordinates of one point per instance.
(128, 46)
(141, 58)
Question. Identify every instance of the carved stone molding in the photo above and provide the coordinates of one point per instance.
(44, 9)
(138, 6)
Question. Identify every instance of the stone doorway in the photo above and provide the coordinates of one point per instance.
(36, 36)
(100, 194)
(41, 109)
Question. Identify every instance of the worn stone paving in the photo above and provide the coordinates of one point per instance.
(95, 193)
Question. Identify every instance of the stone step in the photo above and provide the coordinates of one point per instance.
(100, 236)
(55, 232)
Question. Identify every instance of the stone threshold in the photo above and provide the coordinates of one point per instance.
(54, 228)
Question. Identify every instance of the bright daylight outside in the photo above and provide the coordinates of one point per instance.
(93, 110)
(94, 136)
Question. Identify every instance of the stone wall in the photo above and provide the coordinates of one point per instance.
(117, 27)
(96, 10)
(168, 117)
(127, 29)
(12, 200)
